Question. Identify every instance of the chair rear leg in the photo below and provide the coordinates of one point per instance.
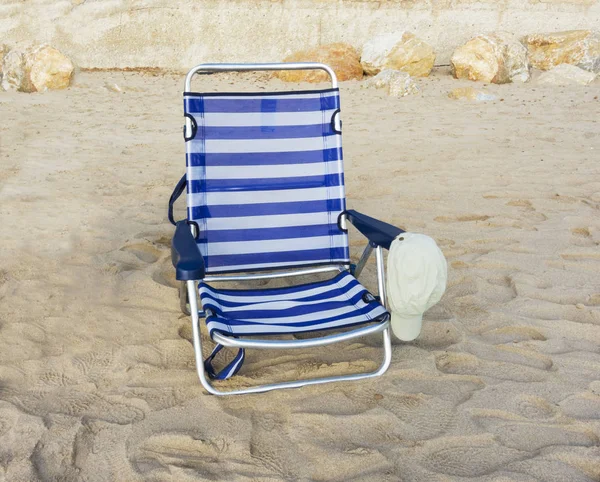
(184, 298)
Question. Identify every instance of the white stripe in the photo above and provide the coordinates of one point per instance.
(274, 221)
(257, 329)
(259, 119)
(277, 246)
(256, 299)
(264, 197)
(234, 368)
(265, 172)
(247, 146)
(274, 304)
(264, 266)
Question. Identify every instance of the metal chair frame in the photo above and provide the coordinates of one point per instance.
(189, 289)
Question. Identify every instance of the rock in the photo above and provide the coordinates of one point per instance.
(36, 70)
(398, 51)
(397, 83)
(565, 74)
(342, 58)
(13, 70)
(3, 51)
(48, 68)
(113, 87)
(497, 58)
(469, 93)
(576, 47)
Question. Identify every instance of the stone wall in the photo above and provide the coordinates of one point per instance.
(176, 34)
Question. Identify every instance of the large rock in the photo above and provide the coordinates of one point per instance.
(566, 74)
(342, 58)
(396, 82)
(36, 69)
(576, 47)
(497, 58)
(469, 93)
(398, 51)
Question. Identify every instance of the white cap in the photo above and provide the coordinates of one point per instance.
(416, 280)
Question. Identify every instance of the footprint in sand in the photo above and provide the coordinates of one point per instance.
(94, 365)
(79, 404)
(131, 257)
(468, 456)
(451, 388)
(8, 419)
(164, 275)
(143, 252)
(531, 434)
(152, 251)
(582, 237)
(461, 219)
(583, 406)
(467, 364)
(420, 416)
(550, 468)
(509, 354)
(57, 379)
(537, 408)
(512, 334)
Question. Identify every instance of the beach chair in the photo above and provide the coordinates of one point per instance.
(265, 199)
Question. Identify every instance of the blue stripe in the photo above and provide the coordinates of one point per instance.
(209, 298)
(264, 209)
(309, 328)
(245, 104)
(278, 291)
(266, 234)
(249, 184)
(263, 158)
(302, 326)
(324, 254)
(268, 132)
(365, 310)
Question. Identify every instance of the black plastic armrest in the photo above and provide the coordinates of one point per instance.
(185, 254)
(377, 232)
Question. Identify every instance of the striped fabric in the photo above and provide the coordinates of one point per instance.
(265, 179)
(337, 303)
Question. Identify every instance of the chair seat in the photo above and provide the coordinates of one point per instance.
(336, 303)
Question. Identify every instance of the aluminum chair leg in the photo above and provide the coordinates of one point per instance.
(363, 260)
(183, 298)
(193, 301)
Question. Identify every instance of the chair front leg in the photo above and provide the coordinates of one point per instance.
(197, 342)
(192, 293)
(381, 276)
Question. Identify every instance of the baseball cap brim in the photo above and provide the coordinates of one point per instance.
(406, 327)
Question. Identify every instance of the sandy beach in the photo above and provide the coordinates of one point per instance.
(97, 377)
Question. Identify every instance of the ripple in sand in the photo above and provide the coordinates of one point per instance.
(468, 456)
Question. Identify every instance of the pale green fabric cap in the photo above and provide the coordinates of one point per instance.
(417, 273)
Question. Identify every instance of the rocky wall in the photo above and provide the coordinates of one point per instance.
(178, 34)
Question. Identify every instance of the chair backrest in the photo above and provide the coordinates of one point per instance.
(265, 179)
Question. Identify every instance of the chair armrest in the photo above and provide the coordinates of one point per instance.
(185, 255)
(377, 232)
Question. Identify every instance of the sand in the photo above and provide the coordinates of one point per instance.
(97, 378)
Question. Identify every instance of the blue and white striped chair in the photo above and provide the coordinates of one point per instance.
(265, 197)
